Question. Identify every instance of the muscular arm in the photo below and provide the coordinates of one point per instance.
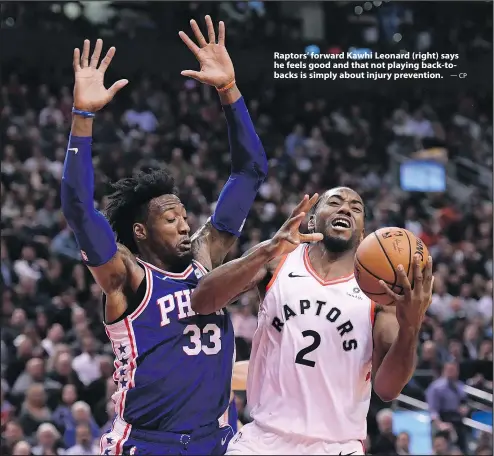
(249, 168)
(112, 266)
(394, 355)
(226, 283)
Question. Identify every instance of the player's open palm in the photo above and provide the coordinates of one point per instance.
(289, 237)
(90, 93)
(216, 65)
(412, 305)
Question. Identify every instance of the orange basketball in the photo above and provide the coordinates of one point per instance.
(378, 256)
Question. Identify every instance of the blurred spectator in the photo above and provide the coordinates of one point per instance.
(34, 374)
(84, 445)
(62, 416)
(13, 434)
(403, 443)
(34, 411)
(22, 448)
(385, 441)
(87, 364)
(55, 336)
(74, 424)
(441, 445)
(48, 438)
(7, 409)
(62, 369)
(447, 403)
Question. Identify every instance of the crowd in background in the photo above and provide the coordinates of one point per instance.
(56, 361)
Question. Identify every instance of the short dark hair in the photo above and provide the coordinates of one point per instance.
(130, 201)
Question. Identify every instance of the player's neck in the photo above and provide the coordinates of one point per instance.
(152, 258)
(330, 265)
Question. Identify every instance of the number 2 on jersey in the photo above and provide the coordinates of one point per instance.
(208, 340)
(316, 341)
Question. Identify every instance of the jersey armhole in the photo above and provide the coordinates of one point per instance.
(276, 272)
(134, 299)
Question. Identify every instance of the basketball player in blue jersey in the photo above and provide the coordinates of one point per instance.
(173, 367)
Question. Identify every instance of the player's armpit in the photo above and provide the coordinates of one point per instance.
(394, 355)
(210, 246)
(121, 270)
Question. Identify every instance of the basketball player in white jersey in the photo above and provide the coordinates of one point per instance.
(320, 341)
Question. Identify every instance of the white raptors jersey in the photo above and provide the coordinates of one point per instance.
(310, 369)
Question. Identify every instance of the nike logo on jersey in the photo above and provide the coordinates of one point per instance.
(75, 149)
(223, 440)
(347, 454)
(292, 275)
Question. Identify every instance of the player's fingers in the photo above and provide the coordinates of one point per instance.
(198, 34)
(85, 54)
(428, 278)
(310, 203)
(189, 43)
(418, 277)
(403, 281)
(221, 33)
(96, 53)
(107, 60)
(311, 237)
(192, 74)
(294, 222)
(389, 292)
(117, 86)
(210, 26)
(77, 60)
(299, 207)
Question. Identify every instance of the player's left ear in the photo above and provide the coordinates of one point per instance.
(139, 231)
(312, 224)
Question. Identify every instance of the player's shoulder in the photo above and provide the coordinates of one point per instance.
(126, 254)
(294, 259)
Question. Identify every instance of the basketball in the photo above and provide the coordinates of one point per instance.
(378, 256)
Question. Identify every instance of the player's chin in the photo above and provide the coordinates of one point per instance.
(338, 242)
(182, 258)
(184, 254)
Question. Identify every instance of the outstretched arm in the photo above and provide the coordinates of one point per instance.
(221, 286)
(396, 332)
(108, 263)
(249, 167)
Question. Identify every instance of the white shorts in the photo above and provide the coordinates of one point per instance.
(251, 439)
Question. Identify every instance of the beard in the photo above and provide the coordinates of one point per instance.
(179, 263)
(338, 245)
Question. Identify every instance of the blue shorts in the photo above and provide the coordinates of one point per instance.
(123, 439)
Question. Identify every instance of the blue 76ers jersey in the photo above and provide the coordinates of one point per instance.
(173, 366)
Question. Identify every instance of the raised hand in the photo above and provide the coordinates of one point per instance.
(289, 237)
(412, 305)
(90, 93)
(216, 65)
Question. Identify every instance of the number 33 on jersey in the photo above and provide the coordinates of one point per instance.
(165, 346)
